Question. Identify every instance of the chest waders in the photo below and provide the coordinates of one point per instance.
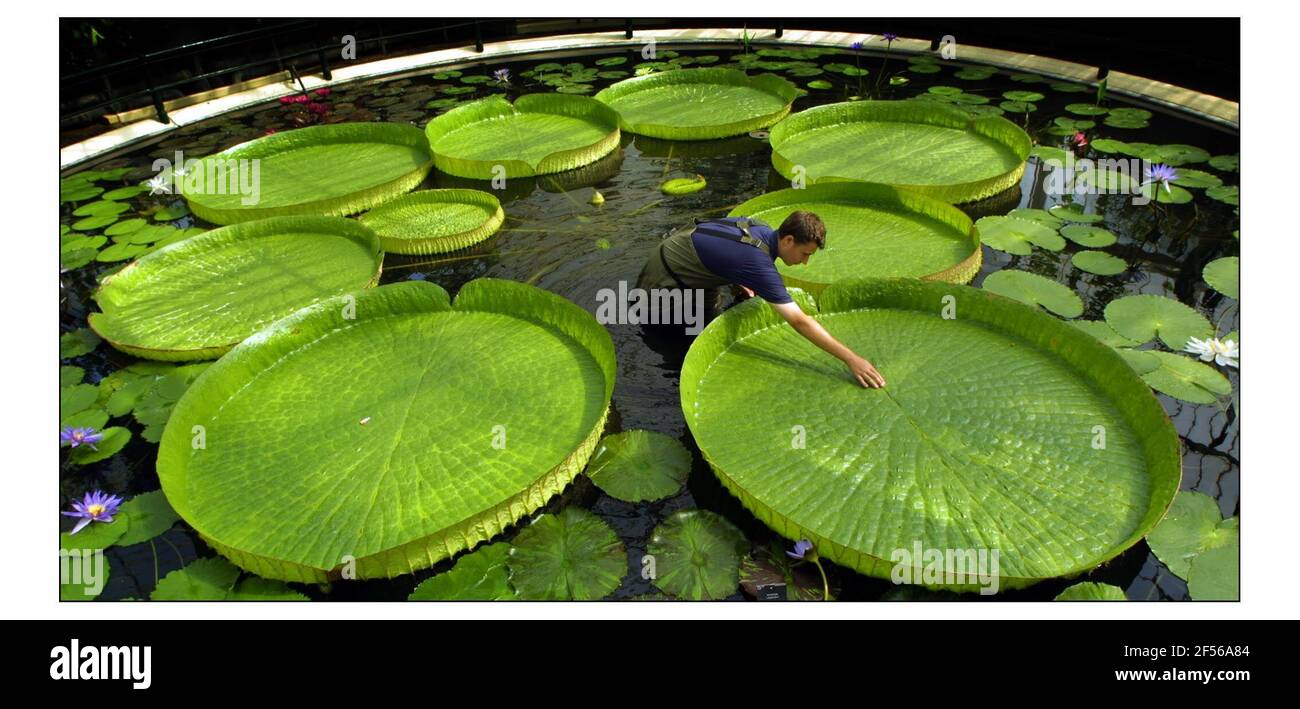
(677, 265)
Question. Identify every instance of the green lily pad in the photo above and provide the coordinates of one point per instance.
(820, 84)
(101, 208)
(699, 104)
(435, 221)
(1023, 96)
(1074, 213)
(1167, 194)
(928, 147)
(873, 230)
(1143, 317)
(697, 555)
(259, 589)
(177, 303)
(943, 453)
(1033, 289)
(683, 185)
(1105, 333)
(1192, 526)
(1092, 592)
(1214, 575)
(124, 251)
(1228, 194)
(96, 535)
(125, 227)
(1140, 361)
(93, 223)
(1223, 275)
(1042, 216)
(115, 439)
(569, 556)
(1187, 379)
(324, 170)
(150, 515)
(1098, 262)
(1017, 107)
(481, 575)
(1197, 179)
(1093, 237)
(538, 134)
(1018, 236)
(70, 376)
(639, 465)
(1227, 163)
(126, 192)
(202, 580)
(442, 425)
(77, 397)
(169, 214)
(1086, 109)
(77, 342)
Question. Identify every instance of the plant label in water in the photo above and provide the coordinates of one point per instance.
(772, 592)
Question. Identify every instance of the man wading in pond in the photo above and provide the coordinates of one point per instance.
(743, 251)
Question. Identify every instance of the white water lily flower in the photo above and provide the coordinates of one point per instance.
(159, 184)
(1223, 352)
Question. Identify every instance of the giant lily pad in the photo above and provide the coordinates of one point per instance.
(388, 428)
(874, 230)
(699, 104)
(925, 146)
(199, 297)
(570, 556)
(982, 439)
(332, 170)
(536, 135)
(435, 221)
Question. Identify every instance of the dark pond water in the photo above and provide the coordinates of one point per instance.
(555, 239)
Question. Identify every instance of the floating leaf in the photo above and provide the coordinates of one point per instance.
(1227, 163)
(1074, 213)
(1023, 96)
(101, 208)
(481, 575)
(1187, 379)
(1140, 361)
(259, 589)
(435, 221)
(202, 580)
(1017, 107)
(124, 251)
(683, 185)
(1034, 289)
(1192, 526)
(77, 342)
(1018, 236)
(77, 397)
(1142, 317)
(1223, 275)
(178, 304)
(1098, 262)
(125, 227)
(125, 192)
(150, 515)
(1214, 575)
(115, 439)
(538, 134)
(168, 214)
(1167, 194)
(416, 463)
(699, 104)
(93, 223)
(931, 148)
(697, 555)
(1086, 109)
(611, 61)
(941, 453)
(873, 230)
(820, 84)
(1092, 592)
(569, 556)
(69, 376)
(331, 170)
(93, 417)
(1093, 237)
(1105, 333)
(1228, 194)
(637, 466)
(1196, 179)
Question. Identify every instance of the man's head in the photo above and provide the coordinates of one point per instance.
(799, 237)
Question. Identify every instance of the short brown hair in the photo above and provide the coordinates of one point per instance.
(804, 227)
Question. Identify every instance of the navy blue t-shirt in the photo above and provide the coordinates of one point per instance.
(745, 264)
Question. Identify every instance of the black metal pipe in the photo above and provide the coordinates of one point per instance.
(478, 37)
(780, 29)
(627, 29)
(324, 66)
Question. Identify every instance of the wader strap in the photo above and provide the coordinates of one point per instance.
(741, 224)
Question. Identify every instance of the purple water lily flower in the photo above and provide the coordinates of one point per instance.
(502, 75)
(80, 436)
(889, 36)
(856, 46)
(1160, 174)
(801, 548)
(96, 507)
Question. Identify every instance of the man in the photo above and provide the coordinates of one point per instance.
(744, 251)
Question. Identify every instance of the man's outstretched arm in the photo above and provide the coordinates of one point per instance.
(862, 370)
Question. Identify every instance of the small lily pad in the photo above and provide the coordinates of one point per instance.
(1227, 163)
(1086, 109)
(1023, 96)
(1215, 575)
(683, 185)
(93, 223)
(1017, 107)
(1074, 213)
(1142, 317)
(697, 555)
(1223, 275)
(639, 465)
(1197, 179)
(70, 376)
(150, 515)
(820, 84)
(100, 208)
(570, 556)
(1034, 289)
(125, 227)
(1018, 236)
(167, 214)
(1167, 194)
(1192, 526)
(203, 580)
(1228, 194)
(1092, 592)
(1140, 361)
(1186, 379)
(255, 588)
(1093, 237)
(115, 439)
(1105, 333)
(77, 342)
(1098, 262)
(481, 575)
